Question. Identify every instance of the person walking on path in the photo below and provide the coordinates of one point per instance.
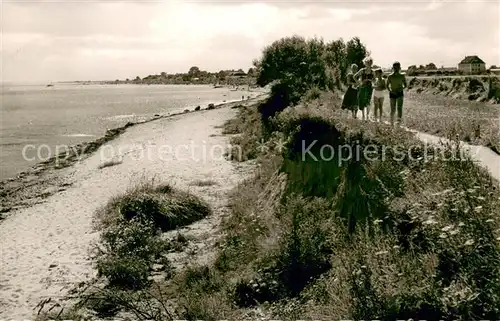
(379, 86)
(365, 77)
(350, 101)
(396, 83)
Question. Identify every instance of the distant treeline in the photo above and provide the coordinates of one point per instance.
(196, 76)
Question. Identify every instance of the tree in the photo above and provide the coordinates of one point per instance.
(194, 71)
(412, 70)
(280, 58)
(335, 57)
(251, 72)
(355, 52)
(291, 56)
(221, 75)
(137, 78)
(294, 66)
(430, 66)
(163, 75)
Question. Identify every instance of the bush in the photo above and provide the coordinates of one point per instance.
(163, 206)
(124, 272)
(248, 125)
(132, 238)
(127, 252)
(307, 246)
(130, 242)
(312, 94)
(296, 66)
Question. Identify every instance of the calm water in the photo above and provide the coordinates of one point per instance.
(67, 114)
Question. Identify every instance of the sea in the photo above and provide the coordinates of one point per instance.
(35, 119)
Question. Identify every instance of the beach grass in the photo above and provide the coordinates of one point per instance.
(131, 244)
(161, 205)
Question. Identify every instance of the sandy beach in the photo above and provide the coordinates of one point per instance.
(47, 251)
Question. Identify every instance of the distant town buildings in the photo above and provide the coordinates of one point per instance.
(472, 65)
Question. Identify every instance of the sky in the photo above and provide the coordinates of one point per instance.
(107, 40)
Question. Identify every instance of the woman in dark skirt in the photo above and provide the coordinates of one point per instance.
(365, 76)
(350, 101)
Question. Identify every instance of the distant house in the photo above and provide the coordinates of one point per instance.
(472, 65)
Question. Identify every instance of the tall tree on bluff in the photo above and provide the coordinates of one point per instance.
(294, 59)
(281, 58)
(295, 66)
(355, 52)
(335, 56)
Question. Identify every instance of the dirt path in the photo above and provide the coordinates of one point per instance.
(45, 247)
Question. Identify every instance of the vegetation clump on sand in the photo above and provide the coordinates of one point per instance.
(163, 206)
(132, 247)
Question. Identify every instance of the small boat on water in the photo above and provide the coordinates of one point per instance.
(50, 85)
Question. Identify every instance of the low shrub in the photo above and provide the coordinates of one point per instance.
(164, 207)
(127, 253)
(131, 242)
(201, 298)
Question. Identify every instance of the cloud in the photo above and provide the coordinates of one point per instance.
(113, 39)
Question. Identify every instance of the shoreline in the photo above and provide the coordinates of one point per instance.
(33, 185)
